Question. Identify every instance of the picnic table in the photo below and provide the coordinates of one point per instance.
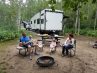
(45, 36)
(57, 37)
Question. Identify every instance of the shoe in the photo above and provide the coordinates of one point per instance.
(63, 55)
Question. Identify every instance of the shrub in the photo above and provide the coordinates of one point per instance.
(86, 32)
(83, 31)
(8, 35)
(67, 30)
(92, 33)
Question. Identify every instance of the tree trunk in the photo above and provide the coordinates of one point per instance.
(78, 21)
(63, 25)
(19, 16)
(95, 21)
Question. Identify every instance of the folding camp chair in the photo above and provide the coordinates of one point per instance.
(72, 51)
(22, 48)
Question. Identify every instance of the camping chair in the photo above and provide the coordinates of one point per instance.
(52, 47)
(22, 49)
(39, 45)
(94, 45)
(72, 51)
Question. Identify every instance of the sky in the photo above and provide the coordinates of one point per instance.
(24, 1)
(8, 2)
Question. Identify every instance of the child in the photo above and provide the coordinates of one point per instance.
(53, 46)
(40, 45)
(37, 45)
(31, 41)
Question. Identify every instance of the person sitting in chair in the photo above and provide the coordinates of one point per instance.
(25, 42)
(68, 44)
(31, 41)
(37, 45)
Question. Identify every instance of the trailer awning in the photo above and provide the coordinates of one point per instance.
(64, 16)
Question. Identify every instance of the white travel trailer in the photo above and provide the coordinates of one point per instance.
(46, 20)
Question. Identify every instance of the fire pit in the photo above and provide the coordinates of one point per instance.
(45, 61)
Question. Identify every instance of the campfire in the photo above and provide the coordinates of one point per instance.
(45, 61)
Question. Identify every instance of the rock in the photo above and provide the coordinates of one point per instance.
(12, 67)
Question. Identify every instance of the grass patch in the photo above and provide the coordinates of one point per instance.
(2, 68)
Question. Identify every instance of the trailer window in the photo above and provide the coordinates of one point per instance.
(34, 21)
(42, 21)
(38, 21)
(31, 22)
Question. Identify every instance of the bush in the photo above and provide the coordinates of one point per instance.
(8, 35)
(92, 33)
(67, 30)
(83, 31)
(86, 32)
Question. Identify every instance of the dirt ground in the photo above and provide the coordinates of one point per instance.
(85, 60)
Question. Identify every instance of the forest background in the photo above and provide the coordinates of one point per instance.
(82, 15)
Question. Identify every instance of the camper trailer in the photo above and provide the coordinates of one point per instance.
(47, 21)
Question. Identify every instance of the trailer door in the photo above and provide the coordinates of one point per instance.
(54, 21)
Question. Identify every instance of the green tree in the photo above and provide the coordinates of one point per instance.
(95, 14)
(52, 4)
(75, 5)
